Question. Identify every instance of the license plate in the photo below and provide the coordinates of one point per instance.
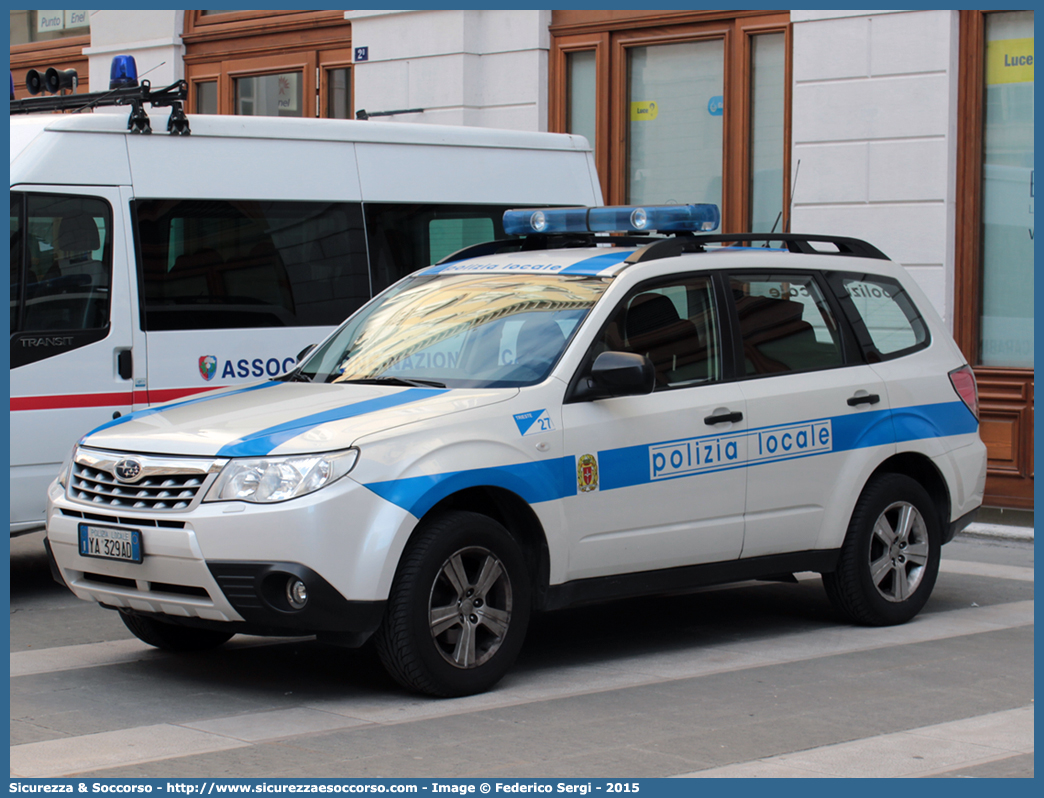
(110, 543)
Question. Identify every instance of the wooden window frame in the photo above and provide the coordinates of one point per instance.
(612, 34)
(199, 26)
(335, 59)
(1006, 394)
(224, 47)
(558, 111)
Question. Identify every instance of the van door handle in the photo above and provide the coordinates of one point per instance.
(125, 364)
(865, 399)
(721, 419)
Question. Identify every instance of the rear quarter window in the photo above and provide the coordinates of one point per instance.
(885, 319)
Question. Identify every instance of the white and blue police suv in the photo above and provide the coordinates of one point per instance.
(535, 423)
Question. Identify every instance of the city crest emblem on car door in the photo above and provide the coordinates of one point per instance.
(587, 473)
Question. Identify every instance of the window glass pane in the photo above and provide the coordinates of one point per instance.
(461, 330)
(785, 324)
(766, 132)
(270, 95)
(42, 26)
(70, 266)
(338, 89)
(580, 93)
(212, 264)
(884, 311)
(206, 97)
(1007, 192)
(675, 110)
(675, 326)
(16, 257)
(406, 237)
(446, 236)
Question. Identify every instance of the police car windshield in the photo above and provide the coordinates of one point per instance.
(459, 331)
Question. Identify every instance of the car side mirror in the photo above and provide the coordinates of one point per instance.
(618, 374)
(301, 355)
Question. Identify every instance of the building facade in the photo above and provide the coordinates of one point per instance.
(913, 130)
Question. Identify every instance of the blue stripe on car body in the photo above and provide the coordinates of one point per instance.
(630, 465)
(263, 442)
(137, 414)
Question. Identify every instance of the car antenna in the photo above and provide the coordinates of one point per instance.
(793, 189)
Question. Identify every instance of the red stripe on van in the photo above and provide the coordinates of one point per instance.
(73, 400)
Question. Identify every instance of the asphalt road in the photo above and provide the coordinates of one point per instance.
(759, 679)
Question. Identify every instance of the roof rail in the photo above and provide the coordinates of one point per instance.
(670, 247)
(795, 242)
(135, 96)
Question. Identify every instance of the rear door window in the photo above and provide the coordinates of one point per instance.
(785, 324)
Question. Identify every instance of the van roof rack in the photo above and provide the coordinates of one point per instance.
(171, 96)
(668, 247)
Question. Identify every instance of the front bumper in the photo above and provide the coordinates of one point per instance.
(257, 593)
(228, 563)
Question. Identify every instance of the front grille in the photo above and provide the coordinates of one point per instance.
(162, 484)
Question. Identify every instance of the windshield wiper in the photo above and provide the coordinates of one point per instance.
(293, 376)
(395, 381)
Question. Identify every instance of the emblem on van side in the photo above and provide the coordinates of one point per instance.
(127, 470)
(208, 367)
(587, 473)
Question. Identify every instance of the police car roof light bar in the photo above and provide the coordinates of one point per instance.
(613, 219)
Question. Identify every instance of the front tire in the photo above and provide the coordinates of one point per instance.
(171, 637)
(458, 608)
(890, 558)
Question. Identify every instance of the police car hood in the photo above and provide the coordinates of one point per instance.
(275, 418)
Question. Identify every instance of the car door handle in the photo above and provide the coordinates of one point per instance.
(721, 419)
(865, 399)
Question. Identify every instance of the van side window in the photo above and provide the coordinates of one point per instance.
(403, 237)
(885, 320)
(675, 325)
(785, 324)
(218, 264)
(61, 263)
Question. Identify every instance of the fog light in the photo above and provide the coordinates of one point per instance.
(296, 593)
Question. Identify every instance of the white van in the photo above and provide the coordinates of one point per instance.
(149, 267)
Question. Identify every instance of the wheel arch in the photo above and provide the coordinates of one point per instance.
(513, 513)
(923, 470)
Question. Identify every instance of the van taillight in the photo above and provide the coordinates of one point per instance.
(963, 380)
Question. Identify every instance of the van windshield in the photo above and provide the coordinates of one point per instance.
(459, 331)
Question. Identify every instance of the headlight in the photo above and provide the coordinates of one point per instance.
(275, 479)
(63, 474)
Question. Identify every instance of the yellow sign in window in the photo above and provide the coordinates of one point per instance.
(643, 110)
(1009, 61)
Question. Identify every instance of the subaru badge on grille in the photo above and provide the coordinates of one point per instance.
(127, 470)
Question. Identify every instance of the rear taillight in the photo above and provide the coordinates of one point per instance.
(963, 380)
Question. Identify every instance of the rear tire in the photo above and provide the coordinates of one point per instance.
(458, 608)
(171, 637)
(890, 557)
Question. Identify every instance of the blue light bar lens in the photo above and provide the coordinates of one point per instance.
(546, 220)
(123, 72)
(660, 218)
(624, 219)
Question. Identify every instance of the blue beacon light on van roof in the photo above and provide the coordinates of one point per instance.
(623, 219)
(123, 73)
